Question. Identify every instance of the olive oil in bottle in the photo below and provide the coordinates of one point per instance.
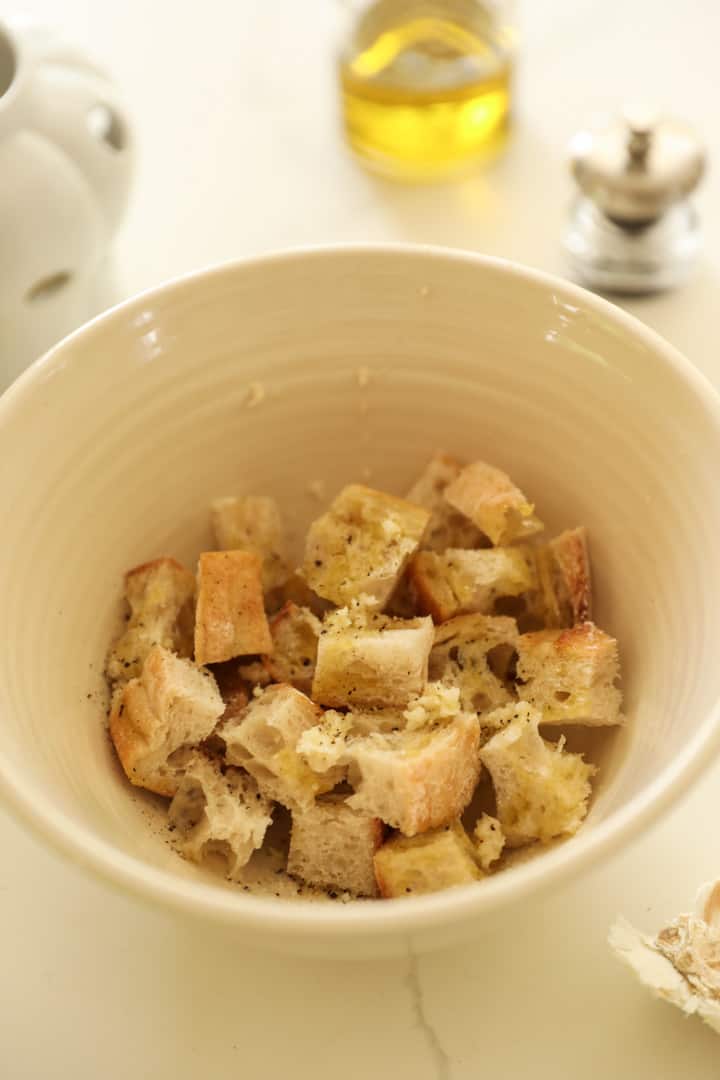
(426, 85)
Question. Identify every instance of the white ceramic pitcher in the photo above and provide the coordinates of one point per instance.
(65, 169)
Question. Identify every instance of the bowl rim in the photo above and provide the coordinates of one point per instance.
(288, 918)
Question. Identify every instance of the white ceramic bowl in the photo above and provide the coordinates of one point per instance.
(246, 378)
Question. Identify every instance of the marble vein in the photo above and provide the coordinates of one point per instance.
(436, 1051)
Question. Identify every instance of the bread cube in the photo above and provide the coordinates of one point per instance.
(488, 497)
(460, 582)
(330, 743)
(419, 779)
(382, 662)
(295, 632)
(563, 596)
(447, 527)
(218, 813)
(464, 650)
(414, 769)
(489, 841)
(429, 488)
(233, 687)
(362, 545)
(264, 740)
(428, 863)
(572, 573)
(230, 617)
(543, 606)
(570, 675)
(403, 603)
(252, 523)
(332, 846)
(297, 591)
(541, 790)
(173, 705)
(160, 595)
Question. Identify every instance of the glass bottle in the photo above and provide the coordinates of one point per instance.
(426, 84)
(633, 228)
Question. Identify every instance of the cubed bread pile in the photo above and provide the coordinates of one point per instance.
(417, 651)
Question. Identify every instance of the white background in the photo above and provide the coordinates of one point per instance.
(239, 152)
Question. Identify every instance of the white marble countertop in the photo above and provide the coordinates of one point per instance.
(239, 153)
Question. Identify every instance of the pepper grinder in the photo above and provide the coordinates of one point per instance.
(633, 228)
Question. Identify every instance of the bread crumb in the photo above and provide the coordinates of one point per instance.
(489, 840)
(255, 395)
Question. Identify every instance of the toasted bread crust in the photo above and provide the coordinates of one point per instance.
(570, 550)
(132, 725)
(173, 705)
(430, 587)
(230, 618)
(489, 498)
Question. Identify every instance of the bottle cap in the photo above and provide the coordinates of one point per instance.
(637, 165)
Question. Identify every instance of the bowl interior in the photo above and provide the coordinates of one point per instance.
(292, 376)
